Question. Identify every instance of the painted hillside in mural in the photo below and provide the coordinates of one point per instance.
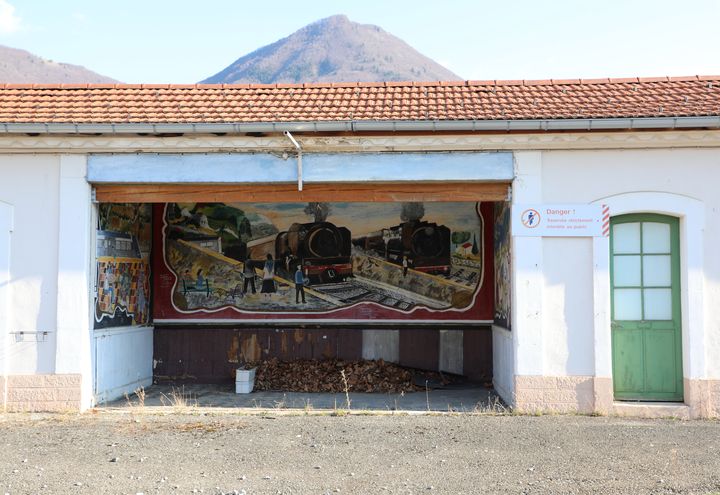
(318, 257)
(123, 240)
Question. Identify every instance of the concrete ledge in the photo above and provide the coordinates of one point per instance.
(651, 410)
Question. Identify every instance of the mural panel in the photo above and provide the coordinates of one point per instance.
(323, 260)
(502, 264)
(124, 240)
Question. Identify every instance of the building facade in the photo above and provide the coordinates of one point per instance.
(131, 218)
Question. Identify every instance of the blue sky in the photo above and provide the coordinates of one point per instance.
(186, 41)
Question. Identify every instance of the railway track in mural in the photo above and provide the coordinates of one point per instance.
(358, 288)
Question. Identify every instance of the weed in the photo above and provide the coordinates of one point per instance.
(280, 404)
(427, 395)
(179, 399)
(345, 387)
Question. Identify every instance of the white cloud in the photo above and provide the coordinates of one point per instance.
(9, 22)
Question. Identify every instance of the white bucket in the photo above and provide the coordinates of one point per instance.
(244, 381)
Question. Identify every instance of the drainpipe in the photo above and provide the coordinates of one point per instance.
(299, 158)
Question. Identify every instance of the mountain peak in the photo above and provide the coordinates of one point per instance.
(334, 49)
(20, 66)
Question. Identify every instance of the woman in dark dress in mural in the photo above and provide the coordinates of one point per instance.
(268, 283)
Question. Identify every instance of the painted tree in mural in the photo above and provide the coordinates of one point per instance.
(460, 237)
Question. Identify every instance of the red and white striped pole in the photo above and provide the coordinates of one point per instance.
(605, 220)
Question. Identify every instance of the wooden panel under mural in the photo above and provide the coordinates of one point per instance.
(124, 240)
(348, 261)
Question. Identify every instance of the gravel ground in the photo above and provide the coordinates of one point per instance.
(146, 453)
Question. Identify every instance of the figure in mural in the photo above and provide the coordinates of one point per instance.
(405, 265)
(200, 280)
(299, 285)
(249, 276)
(268, 282)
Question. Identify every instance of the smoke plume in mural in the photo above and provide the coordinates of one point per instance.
(318, 257)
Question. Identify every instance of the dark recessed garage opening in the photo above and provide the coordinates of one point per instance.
(410, 285)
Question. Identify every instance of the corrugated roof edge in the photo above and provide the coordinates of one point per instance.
(388, 84)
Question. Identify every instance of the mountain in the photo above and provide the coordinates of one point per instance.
(334, 49)
(20, 66)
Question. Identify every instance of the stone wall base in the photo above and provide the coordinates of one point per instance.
(558, 394)
(41, 393)
(588, 394)
(703, 397)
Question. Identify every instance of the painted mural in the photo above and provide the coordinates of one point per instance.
(502, 264)
(123, 240)
(319, 258)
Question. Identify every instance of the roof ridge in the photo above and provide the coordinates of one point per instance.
(359, 84)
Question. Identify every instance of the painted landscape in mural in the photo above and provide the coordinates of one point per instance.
(318, 257)
(124, 239)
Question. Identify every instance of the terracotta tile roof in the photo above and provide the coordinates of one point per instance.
(411, 101)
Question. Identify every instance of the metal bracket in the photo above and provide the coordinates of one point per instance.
(32, 336)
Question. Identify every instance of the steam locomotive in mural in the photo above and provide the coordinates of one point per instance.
(423, 246)
(322, 248)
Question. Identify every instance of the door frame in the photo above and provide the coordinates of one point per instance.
(676, 290)
(691, 214)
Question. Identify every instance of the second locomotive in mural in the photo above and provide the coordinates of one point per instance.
(417, 245)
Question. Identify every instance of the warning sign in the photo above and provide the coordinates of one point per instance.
(560, 220)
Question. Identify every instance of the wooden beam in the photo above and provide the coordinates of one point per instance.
(284, 193)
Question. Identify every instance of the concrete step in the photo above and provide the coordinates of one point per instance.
(651, 410)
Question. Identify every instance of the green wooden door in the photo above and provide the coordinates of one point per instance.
(646, 331)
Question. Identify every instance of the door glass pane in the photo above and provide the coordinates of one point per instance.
(658, 304)
(628, 304)
(656, 271)
(626, 238)
(656, 237)
(626, 271)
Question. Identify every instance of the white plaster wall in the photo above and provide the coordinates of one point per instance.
(6, 227)
(30, 183)
(124, 361)
(567, 306)
(503, 364)
(75, 267)
(671, 181)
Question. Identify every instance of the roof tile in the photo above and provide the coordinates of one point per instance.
(445, 100)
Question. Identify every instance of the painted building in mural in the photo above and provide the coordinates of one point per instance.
(123, 245)
(561, 250)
